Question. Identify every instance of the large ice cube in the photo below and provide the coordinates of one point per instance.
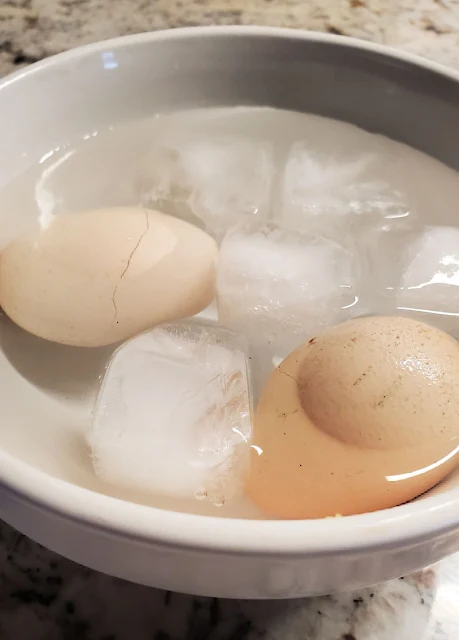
(209, 180)
(280, 287)
(429, 279)
(342, 185)
(173, 414)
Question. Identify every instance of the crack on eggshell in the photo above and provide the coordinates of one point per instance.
(128, 264)
(288, 375)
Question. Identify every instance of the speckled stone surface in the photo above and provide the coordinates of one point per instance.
(44, 597)
(32, 29)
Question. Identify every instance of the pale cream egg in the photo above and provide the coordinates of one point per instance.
(99, 277)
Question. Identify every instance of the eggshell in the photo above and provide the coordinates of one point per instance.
(99, 277)
(363, 417)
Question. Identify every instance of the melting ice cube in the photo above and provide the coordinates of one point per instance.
(429, 268)
(173, 414)
(210, 180)
(324, 187)
(280, 287)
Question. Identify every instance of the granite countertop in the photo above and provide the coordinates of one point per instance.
(33, 29)
(45, 597)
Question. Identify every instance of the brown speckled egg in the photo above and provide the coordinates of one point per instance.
(363, 417)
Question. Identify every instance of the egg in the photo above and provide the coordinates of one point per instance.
(99, 277)
(363, 417)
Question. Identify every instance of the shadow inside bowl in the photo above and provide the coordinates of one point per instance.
(52, 367)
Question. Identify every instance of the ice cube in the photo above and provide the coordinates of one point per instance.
(429, 280)
(173, 414)
(280, 287)
(210, 180)
(342, 185)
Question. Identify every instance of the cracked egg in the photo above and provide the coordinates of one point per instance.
(362, 417)
(99, 277)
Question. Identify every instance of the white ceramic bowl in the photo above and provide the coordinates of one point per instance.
(47, 489)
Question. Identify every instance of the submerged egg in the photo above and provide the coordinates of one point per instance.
(363, 417)
(99, 277)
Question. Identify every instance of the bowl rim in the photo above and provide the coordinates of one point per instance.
(399, 527)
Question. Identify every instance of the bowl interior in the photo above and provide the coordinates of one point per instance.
(48, 390)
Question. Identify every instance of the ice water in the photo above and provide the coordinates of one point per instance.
(317, 221)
